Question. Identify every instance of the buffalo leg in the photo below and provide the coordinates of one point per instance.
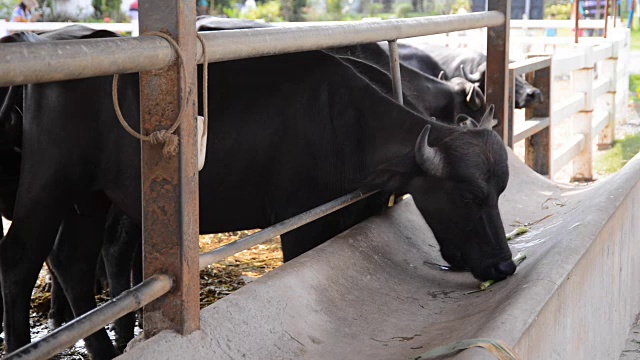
(121, 241)
(74, 263)
(22, 252)
(60, 311)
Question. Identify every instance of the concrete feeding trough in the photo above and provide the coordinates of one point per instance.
(368, 294)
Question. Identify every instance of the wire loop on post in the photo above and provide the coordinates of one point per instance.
(166, 137)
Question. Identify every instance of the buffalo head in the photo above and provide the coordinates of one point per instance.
(466, 171)
(526, 94)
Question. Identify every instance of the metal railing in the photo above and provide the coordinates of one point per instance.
(55, 61)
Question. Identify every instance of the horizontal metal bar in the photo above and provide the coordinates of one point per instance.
(87, 324)
(568, 151)
(239, 44)
(529, 65)
(27, 63)
(600, 120)
(529, 127)
(568, 107)
(30, 63)
(280, 228)
(600, 87)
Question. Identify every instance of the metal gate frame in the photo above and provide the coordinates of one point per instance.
(170, 185)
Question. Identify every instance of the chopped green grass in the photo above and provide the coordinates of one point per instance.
(614, 159)
(485, 284)
(517, 232)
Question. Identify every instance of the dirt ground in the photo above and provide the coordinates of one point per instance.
(216, 281)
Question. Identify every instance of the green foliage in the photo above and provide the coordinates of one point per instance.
(461, 4)
(634, 88)
(6, 8)
(334, 7)
(403, 10)
(375, 9)
(559, 11)
(107, 8)
(635, 40)
(614, 159)
(269, 12)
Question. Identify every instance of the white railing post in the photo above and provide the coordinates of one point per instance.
(582, 81)
(623, 37)
(609, 69)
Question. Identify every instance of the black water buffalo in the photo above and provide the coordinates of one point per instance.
(466, 63)
(292, 132)
(427, 95)
(10, 159)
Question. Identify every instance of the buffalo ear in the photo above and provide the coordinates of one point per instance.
(487, 121)
(466, 122)
(430, 159)
(475, 97)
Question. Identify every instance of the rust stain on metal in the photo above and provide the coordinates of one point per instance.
(170, 184)
(498, 66)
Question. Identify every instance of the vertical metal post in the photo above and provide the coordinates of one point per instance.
(511, 107)
(614, 5)
(170, 183)
(576, 14)
(394, 63)
(497, 81)
(538, 147)
(606, 17)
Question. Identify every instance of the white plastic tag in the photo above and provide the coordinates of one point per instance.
(202, 142)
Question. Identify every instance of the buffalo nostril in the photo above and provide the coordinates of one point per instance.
(506, 268)
(536, 95)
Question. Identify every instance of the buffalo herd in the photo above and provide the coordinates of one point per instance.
(289, 133)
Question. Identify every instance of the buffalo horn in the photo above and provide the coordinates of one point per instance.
(473, 78)
(428, 158)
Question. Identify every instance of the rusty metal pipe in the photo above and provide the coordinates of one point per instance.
(280, 228)
(239, 44)
(29, 63)
(394, 63)
(606, 17)
(577, 16)
(87, 324)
